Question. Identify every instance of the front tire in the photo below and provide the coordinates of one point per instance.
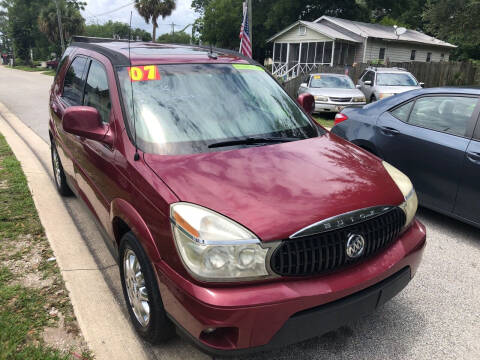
(58, 173)
(141, 292)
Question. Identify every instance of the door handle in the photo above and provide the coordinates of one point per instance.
(474, 157)
(389, 130)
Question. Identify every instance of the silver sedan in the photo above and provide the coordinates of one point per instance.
(332, 92)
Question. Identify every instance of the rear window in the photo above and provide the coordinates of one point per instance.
(395, 79)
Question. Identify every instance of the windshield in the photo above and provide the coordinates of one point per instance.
(182, 109)
(330, 81)
(395, 79)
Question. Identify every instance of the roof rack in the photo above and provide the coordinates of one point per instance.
(93, 40)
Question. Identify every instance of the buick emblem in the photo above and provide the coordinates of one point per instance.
(355, 245)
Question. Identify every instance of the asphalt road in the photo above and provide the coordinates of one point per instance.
(436, 317)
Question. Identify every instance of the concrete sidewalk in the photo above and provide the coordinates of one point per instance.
(101, 319)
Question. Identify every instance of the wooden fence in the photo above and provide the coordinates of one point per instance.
(432, 74)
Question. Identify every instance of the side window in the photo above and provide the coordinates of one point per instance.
(97, 94)
(74, 81)
(369, 76)
(402, 112)
(450, 114)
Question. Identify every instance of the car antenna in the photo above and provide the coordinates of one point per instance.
(136, 157)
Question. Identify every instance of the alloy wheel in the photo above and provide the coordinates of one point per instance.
(136, 289)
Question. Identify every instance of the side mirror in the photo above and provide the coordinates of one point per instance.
(85, 121)
(307, 102)
(304, 85)
(358, 86)
(421, 84)
(368, 83)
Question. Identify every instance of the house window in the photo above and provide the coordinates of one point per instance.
(277, 51)
(429, 57)
(412, 55)
(303, 52)
(381, 54)
(302, 30)
(311, 52)
(442, 57)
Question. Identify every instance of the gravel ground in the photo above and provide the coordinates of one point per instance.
(436, 317)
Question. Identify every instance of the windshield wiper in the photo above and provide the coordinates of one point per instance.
(254, 140)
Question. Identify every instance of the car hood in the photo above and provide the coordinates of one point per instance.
(276, 190)
(396, 89)
(335, 92)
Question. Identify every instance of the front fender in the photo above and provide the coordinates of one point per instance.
(123, 210)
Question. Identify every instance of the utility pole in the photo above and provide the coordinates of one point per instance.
(59, 18)
(173, 27)
(250, 23)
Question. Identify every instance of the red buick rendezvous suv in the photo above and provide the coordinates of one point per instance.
(236, 219)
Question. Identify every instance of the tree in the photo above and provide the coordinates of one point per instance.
(455, 21)
(151, 10)
(4, 40)
(180, 37)
(407, 12)
(72, 21)
(110, 29)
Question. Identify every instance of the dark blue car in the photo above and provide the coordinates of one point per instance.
(432, 135)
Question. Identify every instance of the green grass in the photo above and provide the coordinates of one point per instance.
(49, 72)
(325, 119)
(24, 311)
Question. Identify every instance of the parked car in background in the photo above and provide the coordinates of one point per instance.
(433, 135)
(332, 92)
(218, 221)
(52, 64)
(378, 83)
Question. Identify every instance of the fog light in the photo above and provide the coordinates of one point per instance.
(209, 330)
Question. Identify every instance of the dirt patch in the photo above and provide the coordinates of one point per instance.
(4, 184)
(60, 337)
(34, 280)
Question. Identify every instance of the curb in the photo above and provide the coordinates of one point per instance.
(106, 330)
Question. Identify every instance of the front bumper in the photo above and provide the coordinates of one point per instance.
(263, 316)
(335, 107)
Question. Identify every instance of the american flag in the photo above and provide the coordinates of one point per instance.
(245, 43)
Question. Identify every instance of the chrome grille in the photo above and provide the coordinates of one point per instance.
(322, 253)
(341, 99)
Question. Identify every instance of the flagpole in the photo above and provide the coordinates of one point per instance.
(250, 23)
(243, 22)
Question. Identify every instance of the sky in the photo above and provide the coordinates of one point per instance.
(95, 12)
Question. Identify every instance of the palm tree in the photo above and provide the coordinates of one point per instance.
(150, 10)
(72, 21)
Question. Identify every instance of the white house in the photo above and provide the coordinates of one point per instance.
(333, 41)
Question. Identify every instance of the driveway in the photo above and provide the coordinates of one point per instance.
(436, 317)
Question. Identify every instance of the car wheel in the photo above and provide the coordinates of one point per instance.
(58, 173)
(141, 293)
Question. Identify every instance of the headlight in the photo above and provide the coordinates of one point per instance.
(320, 98)
(409, 206)
(359, 99)
(384, 95)
(215, 248)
